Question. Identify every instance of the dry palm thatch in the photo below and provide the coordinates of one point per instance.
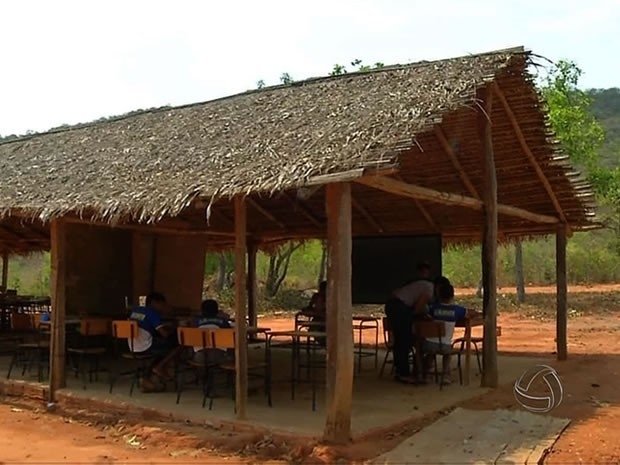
(152, 164)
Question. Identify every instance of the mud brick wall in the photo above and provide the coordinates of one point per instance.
(98, 269)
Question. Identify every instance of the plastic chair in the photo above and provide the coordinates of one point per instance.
(91, 329)
(128, 330)
(434, 331)
(195, 338)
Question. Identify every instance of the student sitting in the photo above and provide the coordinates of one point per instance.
(317, 308)
(211, 318)
(154, 337)
(447, 312)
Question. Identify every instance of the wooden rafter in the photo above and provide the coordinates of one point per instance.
(351, 175)
(526, 149)
(427, 216)
(16, 237)
(304, 209)
(455, 162)
(403, 189)
(254, 204)
(146, 228)
(366, 214)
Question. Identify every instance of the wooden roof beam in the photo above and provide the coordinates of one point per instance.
(254, 204)
(526, 149)
(21, 238)
(304, 209)
(455, 162)
(427, 216)
(147, 228)
(403, 189)
(366, 214)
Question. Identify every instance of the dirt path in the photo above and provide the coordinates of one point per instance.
(590, 379)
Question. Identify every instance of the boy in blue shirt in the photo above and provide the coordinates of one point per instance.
(212, 318)
(154, 337)
(449, 313)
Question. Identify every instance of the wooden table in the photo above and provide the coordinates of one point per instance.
(468, 324)
(295, 337)
(361, 324)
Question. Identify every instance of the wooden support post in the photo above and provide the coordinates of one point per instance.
(562, 304)
(489, 248)
(241, 340)
(252, 285)
(58, 233)
(5, 270)
(339, 389)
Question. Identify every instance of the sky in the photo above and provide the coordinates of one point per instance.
(65, 62)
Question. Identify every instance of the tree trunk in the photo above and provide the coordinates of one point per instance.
(323, 266)
(279, 262)
(222, 271)
(479, 290)
(520, 279)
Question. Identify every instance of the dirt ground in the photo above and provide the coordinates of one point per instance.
(589, 377)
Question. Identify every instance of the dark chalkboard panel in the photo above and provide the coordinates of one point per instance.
(382, 264)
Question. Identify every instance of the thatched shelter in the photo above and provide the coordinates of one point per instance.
(460, 147)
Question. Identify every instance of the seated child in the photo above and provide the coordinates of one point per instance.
(211, 318)
(449, 313)
(317, 308)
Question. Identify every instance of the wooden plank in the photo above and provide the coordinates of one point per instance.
(252, 285)
(339, 388)
(241, 342)
(5, 270)
(490, 376)
(403, 189)
(58, 232)
(562, 294)
(528, 153)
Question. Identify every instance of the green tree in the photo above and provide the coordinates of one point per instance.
(286, 79)
(579, 132)
(582, 137)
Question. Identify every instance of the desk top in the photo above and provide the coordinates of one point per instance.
(68, 321)
(257, 329)
(477, 320)
(298, 333)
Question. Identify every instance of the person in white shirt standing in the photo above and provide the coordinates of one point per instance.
(407, 304)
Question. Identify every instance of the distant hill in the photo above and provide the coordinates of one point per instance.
(606, 109)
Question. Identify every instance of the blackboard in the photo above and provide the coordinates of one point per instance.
(383, 264)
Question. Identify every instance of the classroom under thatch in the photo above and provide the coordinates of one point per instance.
(459, 147)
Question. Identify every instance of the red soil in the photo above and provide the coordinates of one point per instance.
(592, 401)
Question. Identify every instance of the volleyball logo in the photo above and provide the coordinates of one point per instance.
(539, 389)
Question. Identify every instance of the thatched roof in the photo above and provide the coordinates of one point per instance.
(151, 166)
